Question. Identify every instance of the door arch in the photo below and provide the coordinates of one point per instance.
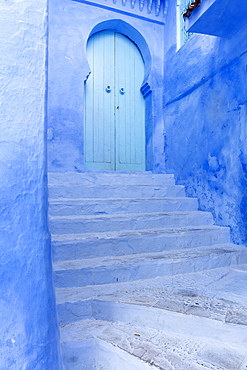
(114, 135)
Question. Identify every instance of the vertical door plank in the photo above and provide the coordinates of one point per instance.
(109, 100)
(98, 70)
(130, 118)
(99, 104)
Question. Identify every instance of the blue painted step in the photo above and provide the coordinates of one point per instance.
(116, 269)
(68, 207)
(115, 191)
(89, 245)
(103, 223)
(110, 178)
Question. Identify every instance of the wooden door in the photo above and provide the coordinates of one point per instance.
(114, 105)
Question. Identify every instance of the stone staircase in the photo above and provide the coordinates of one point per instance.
(143, 279)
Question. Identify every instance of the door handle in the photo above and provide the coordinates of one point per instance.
(108, 89)
(122, 91)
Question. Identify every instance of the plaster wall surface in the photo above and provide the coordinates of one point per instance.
(70, 25)
(29, 335)
(205, 121)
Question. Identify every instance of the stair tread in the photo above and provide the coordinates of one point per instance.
(219, 294)
(110, 173)
(73, 185)
(130, 215)
(161, 350)
(162, 257)
(79, 332)
(114, 190)
(113, 234)
(75, 200)
(102, 176)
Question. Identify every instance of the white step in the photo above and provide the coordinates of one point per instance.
(181, 344)
(69, 207)
(218, 294)
(103, 223)
(144, 266)
(115, 191)
(89, 245)
(110, 178)
(95, 354)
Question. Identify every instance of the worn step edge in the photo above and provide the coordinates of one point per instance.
(115, 191)
(106, 177)
(142, 257)
(120, 205)
(90, 200)
(101, 223)
(130, 215)
(115, 186)
(170, 322)
(115, 234)
(208, 293)
(212, 308)
(91, 272)
(114, 244)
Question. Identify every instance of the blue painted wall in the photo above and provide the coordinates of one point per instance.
(71, 23)
(206, 122)
(29, 335)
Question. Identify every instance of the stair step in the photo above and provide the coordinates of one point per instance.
(103, 223)
(110, 178)
(115, 191)
(115, 269)
(68, 207)
(91, 353)
(218, 294)
(183, 344)
(89, 245)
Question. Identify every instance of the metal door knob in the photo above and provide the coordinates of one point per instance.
(122, 91)
(108, 89)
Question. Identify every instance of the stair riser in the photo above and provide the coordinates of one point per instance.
(94, 192)
(132, 244)
(73, 226)
(121, 206)
(70, 312)
(144, 270)
(110, 179)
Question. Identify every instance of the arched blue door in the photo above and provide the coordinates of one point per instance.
(114, 133)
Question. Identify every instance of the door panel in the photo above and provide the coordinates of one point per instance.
(114, 118)
(99, 104)
(130, 117)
